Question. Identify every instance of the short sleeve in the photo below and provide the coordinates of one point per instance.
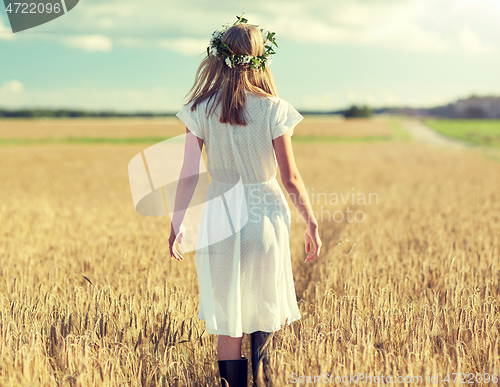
(285, 118)
(191, 120)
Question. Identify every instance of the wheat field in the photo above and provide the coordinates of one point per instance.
(409, 288)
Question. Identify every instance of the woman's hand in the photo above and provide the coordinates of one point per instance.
(311, 237)
(173, 238)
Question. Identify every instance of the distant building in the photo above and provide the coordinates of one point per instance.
(478, 107)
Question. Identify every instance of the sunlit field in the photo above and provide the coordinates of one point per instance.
(407, 285)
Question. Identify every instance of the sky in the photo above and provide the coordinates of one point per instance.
(131, 56)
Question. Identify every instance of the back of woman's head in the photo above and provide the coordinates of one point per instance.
(214, 74)
(244, 39)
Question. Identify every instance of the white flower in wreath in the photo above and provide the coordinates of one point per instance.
(264, 36)
(213, 51)
(246, 59)
(228, 62)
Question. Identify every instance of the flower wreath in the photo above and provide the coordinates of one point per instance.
(222, 50)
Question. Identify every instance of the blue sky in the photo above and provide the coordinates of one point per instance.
(142, 55)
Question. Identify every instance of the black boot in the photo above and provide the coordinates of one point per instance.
(260, 359)
(234, 372)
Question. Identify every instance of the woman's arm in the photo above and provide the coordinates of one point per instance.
(290, 177)
(188, 180)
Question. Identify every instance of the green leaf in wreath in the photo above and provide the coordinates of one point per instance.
(241, 19)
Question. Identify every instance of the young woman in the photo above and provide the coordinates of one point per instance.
(243, 253)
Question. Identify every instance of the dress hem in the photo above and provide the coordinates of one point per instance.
(220, 332)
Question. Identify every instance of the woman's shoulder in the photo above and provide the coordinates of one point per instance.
(277, 105)
(203, 102)
(201, 106)
(269, 99)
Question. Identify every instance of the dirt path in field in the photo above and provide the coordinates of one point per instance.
(421, 132)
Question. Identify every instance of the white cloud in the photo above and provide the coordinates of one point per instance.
(186, 46)
(405, 25)
(404, 35)
(472, 44)
(324, 101)
(90, 42)
(13, 86)
(160, 99)
(106, 22)
(301, 27)
(5, 33)
(185, 27)
(394, 26)
(12, 93)
(353, 15)
(389, 25)
(359, 98)
(370, 97)
(389, 98)
(352, 96)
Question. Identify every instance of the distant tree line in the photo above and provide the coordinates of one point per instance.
(62, 113)
(357, 112)
(353, 112)
(472, 107)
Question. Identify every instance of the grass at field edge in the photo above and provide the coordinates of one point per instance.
(398, 134)
(477, 132)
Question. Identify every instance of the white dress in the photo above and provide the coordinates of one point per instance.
(243, 258)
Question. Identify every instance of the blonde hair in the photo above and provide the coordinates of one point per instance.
(213, 75)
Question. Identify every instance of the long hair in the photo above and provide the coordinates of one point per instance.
(213, 75)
